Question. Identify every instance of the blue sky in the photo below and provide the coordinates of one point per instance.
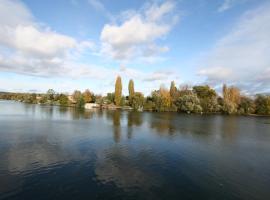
(79, 44)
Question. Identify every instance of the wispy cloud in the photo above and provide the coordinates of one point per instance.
(242, 56)
(99, 6)
(228, 4)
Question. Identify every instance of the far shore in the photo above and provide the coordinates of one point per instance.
(128, 108)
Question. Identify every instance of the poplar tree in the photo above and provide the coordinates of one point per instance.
(173, 90)
(118, 91)
(131, 90)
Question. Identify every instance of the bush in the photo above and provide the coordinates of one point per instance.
(189, 104)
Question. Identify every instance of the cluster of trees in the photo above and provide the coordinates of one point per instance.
(197, 99)
(77, 99)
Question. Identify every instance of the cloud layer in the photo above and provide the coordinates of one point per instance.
(242, 56)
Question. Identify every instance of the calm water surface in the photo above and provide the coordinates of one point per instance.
(62, 153)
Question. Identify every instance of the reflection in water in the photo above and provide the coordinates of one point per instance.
(163, 123)
(120, 166)
(64, 153)
(115, 117)
(231, 126)
(134, 119)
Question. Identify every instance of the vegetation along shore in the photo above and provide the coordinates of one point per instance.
(198, 99)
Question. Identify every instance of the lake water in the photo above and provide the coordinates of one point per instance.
(63, 153)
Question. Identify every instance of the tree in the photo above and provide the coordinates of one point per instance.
(78, 98)
(110, 97)
(246, 106)
(173, 91)
(131, 88)
(43, 99)
(80, 102)
(262, 103)
(208, 98)
(137, 101)
(63, 100)
(231, 99)
(50, 94)
(76, 95)
(87, 96)
(162, 99)
(30, 98)
(189, 103)
(118, 91)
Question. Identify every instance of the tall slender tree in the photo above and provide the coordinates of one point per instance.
(118, 91)
(173, 90)
(131, 89)
(231, 98)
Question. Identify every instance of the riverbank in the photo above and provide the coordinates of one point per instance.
(129, 108)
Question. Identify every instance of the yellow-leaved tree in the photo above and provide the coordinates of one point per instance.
(118, 91)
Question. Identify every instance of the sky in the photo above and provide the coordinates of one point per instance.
(79, 44)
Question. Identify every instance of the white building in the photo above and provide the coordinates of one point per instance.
(91, 105)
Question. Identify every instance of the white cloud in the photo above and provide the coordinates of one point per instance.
(13, 13)
(26, 47)
(242, 56)
(32, 41)
(19, 32)
(159, 76)
(137, 33)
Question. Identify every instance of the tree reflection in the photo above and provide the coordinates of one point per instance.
(229, 127)
(81, 113)
(163, 123)
(115, 117)
(134, 119)
(118, 165)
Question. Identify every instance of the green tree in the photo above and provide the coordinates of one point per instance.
(137, 101)
(80, 102)
(78, 98)
(208, 98)
(131, 91)
(110, 97)
(189, 103)
(149, 104)
(63, 100)
(30, 98)
(247, 105)
(43, 99)
(262, 103)
(118, 91)
(50, 94)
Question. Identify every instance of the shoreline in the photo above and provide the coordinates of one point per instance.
(128, 108)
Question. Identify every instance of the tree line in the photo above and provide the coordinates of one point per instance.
(196, 99)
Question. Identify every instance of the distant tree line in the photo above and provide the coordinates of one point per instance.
(197, 99)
